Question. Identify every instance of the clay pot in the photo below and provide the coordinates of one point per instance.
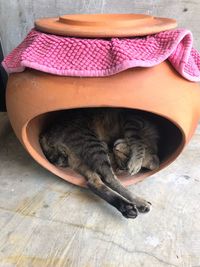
(34, 97)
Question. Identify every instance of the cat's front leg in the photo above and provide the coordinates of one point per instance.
(126, 158)
(136, 156)
(132, 134)
(134, 164)
(121, 154)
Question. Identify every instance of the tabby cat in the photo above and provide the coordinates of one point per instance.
(98, 142)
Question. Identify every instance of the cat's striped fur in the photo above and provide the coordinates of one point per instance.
(96, 141)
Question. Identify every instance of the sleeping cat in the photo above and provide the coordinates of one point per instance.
(96, 142)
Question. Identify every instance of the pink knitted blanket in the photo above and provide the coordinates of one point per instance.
(102, 57)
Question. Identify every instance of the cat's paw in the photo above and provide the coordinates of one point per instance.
(151, 162)
(142, 205)
(134, 165)
(144, 208)
(129, 210)
(121, 153)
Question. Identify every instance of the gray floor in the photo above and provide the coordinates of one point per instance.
(44, 221)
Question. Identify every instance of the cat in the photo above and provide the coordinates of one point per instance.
(98, 142)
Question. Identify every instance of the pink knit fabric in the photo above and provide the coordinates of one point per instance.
(102, 57)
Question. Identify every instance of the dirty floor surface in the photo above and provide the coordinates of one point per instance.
(44, 221)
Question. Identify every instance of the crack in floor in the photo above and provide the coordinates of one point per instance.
(138, 252)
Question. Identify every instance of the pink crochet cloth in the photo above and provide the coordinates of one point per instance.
(102, 57)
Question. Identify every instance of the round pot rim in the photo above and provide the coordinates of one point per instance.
(105, 25)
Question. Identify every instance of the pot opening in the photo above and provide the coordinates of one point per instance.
(170, 144)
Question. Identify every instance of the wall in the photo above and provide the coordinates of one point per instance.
(17, 16)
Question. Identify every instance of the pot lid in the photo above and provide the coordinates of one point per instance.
(104, 25)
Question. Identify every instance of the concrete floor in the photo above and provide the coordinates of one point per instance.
(45, 221)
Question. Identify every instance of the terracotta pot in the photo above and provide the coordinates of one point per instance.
(32, 96)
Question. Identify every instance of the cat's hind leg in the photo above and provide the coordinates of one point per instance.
(96, 185)
(99, 163)
(91, 152)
